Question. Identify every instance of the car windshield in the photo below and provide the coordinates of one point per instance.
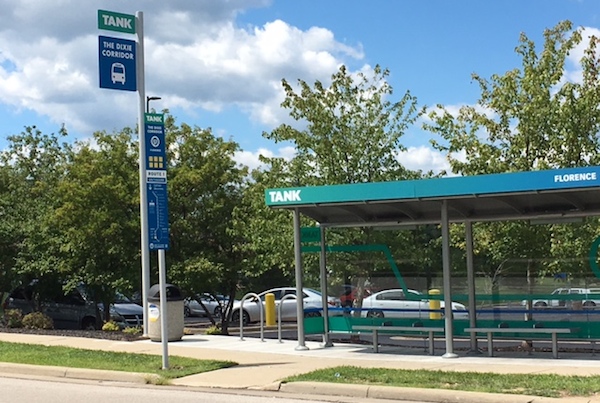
(313, 291)
(121, 298)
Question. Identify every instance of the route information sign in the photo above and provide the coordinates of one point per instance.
(156, 181)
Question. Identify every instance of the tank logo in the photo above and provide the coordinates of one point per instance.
(285, 196)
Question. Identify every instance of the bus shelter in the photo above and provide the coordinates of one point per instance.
(548, 196)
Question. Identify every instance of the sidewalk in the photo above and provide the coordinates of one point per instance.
(262, 365)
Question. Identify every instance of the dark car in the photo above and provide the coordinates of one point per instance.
(74, 310)
(126, 312)
(68, 311)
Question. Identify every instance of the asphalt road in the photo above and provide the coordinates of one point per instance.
(49, 390)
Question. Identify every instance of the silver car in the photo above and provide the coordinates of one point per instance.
(312, 300)
(192, 306)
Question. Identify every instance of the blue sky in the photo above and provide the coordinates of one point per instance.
(219, 64)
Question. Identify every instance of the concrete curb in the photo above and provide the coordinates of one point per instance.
(421, 395)
(77, 373)
(272, 387)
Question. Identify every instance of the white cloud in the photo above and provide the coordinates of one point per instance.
(196, 57)
(251, 159)
(573, 72)
(244, 67)
(423, 158)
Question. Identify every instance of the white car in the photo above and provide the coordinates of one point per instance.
(395, 303)
(311, 298)
(588, 303)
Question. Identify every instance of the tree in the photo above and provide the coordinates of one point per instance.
(205, 185)
(96, 218)
(529, 118)
(352, 130)
(31, 167)
(11, 232)
(348, 131)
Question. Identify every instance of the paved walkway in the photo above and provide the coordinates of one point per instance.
(262, 365)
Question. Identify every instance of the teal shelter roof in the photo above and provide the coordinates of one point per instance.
(551, 195)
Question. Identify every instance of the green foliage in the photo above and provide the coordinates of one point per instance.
(72, 212)
(529, 118)
(30, 168)
(111, 326)
(346, 131)
(215, 330)
(13, 318)
(352, 132)
(133, 330)
(267, 234)
(98, 217)
(37, 320)
(205, 184)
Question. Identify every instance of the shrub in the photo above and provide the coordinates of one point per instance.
(111, 326)
(133, 330)
(13, 318)
(213, 330)
(37, 320)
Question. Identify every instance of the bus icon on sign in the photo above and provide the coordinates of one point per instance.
(117, 73)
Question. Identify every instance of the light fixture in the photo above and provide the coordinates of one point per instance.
(148, 99)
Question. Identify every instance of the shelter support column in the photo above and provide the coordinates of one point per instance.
(299, 286)
(447, 283)
(471, 286)
(323, 268)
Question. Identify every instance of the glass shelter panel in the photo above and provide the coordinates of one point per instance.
(394, 277)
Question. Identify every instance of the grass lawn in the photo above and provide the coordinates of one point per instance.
(79, 358)
(537, 385)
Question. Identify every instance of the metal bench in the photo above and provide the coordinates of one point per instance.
(375, 330)
(554, 332)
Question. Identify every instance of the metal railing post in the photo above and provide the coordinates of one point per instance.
(262, 308)
(288, 296)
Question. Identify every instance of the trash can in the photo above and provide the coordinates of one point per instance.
(174, 313)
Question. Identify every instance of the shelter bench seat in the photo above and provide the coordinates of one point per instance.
(375, 330)
(528, 331)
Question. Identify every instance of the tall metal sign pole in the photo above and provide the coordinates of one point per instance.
(139, 17)
(121, 67)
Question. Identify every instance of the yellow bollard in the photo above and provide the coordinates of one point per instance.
(270, 309)
(435, 304)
